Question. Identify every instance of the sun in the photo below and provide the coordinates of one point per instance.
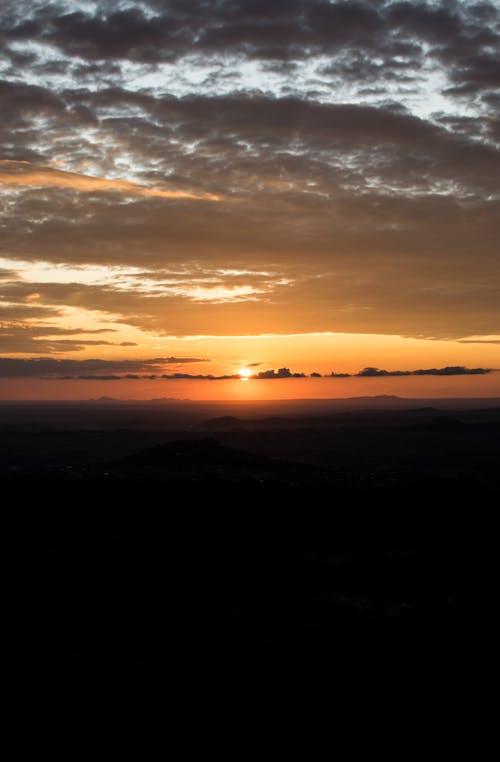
(244, 374)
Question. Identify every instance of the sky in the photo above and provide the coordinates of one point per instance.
(189, 188)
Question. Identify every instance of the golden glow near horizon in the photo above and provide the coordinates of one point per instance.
(95, 334)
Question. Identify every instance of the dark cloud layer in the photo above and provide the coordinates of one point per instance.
(133, 370)
(48, 367)
(460, 34)
(450, 370)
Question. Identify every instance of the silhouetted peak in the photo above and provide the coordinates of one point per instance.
(195, 452)
(222, 422)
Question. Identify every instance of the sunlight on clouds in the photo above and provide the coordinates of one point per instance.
(48, 272)
(207, 285)
(124, 338)
(17, 173)
(217, 293)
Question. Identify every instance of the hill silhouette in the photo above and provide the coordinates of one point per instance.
(204, 457)
(207, 457)
(198, 452)
(222, 422)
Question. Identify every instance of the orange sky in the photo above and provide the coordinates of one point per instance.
(325, 388)
(193, 190)
(304, 353)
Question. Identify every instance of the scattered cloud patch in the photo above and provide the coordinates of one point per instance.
(21, 173)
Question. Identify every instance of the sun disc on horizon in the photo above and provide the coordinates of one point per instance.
(244, 374)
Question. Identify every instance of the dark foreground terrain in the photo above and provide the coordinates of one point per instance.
(297, 548)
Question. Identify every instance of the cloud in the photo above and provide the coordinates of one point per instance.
(200, 376)
(384, 47)
(127, 370)
(374, 372)
(281, 373)
(149, 377)
(18, 334)
(479, 341)
(270, 31)
(7, 274)
(453, 370)
(45, 367)
(20, 173)
(90, 378)
(458, 370)
(9, 312)
(358, 162)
